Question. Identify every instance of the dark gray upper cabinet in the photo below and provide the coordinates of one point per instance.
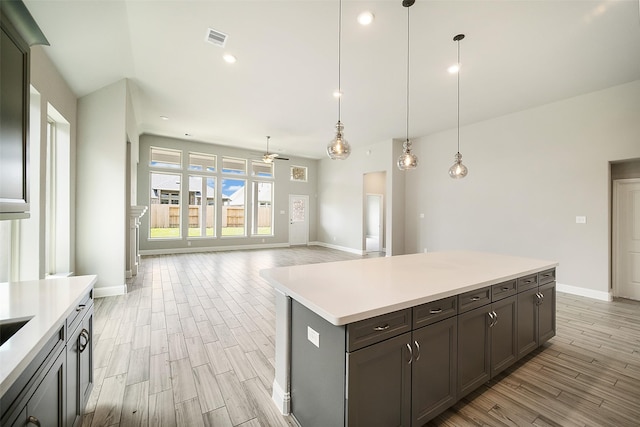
(18, 32)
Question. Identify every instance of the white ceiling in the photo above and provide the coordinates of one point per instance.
(516, 55)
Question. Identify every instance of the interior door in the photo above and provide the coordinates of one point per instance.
(626, 233)
(373, 223)
(298, 220)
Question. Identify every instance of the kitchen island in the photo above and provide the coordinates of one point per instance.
(397, 340)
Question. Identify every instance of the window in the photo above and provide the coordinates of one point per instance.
(262, 208)
(202, 162)
(233, 208)
(299, 173)
(165, 158)
(164, 206)
(57, 204)
(234, 166)
(202, 191)
(262, 169)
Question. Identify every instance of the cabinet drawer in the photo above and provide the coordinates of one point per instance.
(527, 282)
(370, 331)
(434, 311)
(503, 290)
(470, 300)
(76, 315)
(547, 276)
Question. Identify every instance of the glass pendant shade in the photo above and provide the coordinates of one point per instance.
(458, 170)
(338, 148)
(407, 159)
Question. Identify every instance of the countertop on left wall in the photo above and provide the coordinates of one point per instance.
(47, 303)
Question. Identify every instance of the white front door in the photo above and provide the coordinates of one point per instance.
(626, 236)
(298, 220)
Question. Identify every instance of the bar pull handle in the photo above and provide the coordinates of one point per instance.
(490, 319)
(476, 298)
(417, 350)
(410, 354)
(80, 307)
(381, 327)
(435, 311)
(505, 288)
(33, 420)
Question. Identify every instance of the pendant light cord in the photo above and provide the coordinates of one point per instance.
(458, 107)
(339, 58)
(407, 135)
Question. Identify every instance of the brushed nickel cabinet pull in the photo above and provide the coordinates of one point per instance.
(80, 307)
(410, 354)
(505, 288)
(33, 420)
(475, 298)
(435, 311)
(382, 327)
(83, 334)
(417, 350)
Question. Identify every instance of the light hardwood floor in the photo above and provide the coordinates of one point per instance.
(192, 344)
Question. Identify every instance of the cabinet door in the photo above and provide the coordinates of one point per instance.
(73, 407)
(504, 335)
(379, 384)
(86, 359)
(474, 347)
(547, 312)
(433, 380)
(527, 322)
(46, 405)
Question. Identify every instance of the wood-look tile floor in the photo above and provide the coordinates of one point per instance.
(192, 344)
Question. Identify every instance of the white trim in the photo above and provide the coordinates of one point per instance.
(584, 292)
(109, 291)
(281, 398)
(615, 228)
(340, 248)
(169, 251)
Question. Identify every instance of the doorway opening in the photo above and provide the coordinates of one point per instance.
(374, 213)
(625, 229)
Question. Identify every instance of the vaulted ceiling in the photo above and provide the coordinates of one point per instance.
(516, 55)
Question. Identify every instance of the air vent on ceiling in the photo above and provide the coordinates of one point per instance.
(216, 37)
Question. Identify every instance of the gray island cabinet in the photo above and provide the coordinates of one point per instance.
(395, 341)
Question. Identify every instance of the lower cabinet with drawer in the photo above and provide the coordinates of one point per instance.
(53, 390)
(406, 367)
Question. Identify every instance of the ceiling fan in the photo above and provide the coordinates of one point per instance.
(268, 157)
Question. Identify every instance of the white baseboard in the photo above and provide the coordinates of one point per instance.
(109, 291)
(340, 248)
(281, 398)
(170, 251)
(583, 292)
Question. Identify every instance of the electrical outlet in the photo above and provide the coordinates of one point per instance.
(313, 336)
(581, 220)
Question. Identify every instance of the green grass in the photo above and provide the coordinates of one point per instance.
(174, 233)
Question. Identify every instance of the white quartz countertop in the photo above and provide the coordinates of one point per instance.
(348, 291)
(49, 301)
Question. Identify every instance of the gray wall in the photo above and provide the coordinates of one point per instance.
(341, 198)
(283, 187)
(530, 174)
(101, 215)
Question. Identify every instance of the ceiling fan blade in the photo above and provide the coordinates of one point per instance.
(280, 158)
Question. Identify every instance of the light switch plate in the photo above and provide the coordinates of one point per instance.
(581, 220)
(313, 336)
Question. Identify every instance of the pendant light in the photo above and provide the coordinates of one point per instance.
(407, 160)
(458, 170)
(339, 148)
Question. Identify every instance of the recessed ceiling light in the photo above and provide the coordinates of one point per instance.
(454, 68)
(164, 117)
(187, 134)
(229, 58)
(365, 18)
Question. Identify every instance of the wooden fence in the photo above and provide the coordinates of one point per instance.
(168, 216)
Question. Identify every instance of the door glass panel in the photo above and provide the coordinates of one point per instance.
(298, 213)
